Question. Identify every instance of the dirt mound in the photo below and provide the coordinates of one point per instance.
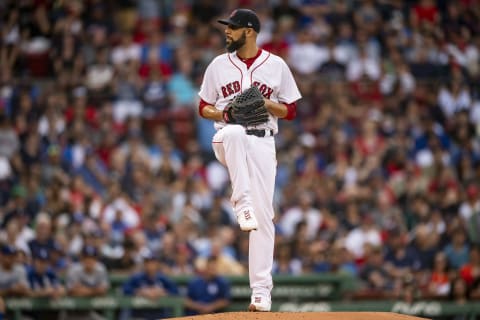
(302, 316)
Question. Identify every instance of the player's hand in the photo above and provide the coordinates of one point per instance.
(158, 292)
(152, 293)
(49, 291)
(228, 116)
(58, 292)
(204, 309)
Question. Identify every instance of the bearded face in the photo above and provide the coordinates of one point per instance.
(234, 45)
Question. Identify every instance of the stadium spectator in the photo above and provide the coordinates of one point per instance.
(304, 55)
(13, 277)
(88, 277)
(13, 280)
(375, 276)
(183, 264)
(43, 282)
(305, 211)
(13, 234)
(226, 262)
(401, 261)
(43, 234)
(126, 263)
(439, 284)
(457, 251)
(9, 142)
(209, 292)
(366, 234)
(149, 283)
(470, 272)
(284, 261)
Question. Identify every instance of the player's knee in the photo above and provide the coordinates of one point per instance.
(233, 132)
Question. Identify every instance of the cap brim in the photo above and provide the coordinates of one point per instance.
(41, 259)
(227, 22)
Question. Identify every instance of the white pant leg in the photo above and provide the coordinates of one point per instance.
(230, 147)
(262, 166)
(251, 163)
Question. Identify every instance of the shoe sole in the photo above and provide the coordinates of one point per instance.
(252, 308)
(248, 230)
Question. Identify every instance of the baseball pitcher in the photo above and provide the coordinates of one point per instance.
(245, 91)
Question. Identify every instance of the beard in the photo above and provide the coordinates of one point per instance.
(234, 45)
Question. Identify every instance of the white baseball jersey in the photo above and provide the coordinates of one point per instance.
(227, 76)
(251, 160)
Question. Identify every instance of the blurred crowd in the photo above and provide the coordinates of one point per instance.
(101, 145)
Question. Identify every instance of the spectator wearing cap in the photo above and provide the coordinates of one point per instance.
(43, 281)
(208, 292)
(149, 283)
(87, 278)
(58, 259)
(13, 278)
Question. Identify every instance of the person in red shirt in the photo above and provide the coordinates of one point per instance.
(439, 284)
(426, 12)
(470, 272)
(277, 45)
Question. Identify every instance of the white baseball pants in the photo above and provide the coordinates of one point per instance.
(252, 165)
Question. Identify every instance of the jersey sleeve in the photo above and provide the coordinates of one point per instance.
(170, 286)
(104, 280)
(130, 286)
(30, 278)
(53, 278)
(192, 290)
(72, 277)
(288, 92)
(224, 292)
(208, 92)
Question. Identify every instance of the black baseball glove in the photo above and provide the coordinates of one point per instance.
(247, 108)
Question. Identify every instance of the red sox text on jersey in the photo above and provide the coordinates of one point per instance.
(234, 87)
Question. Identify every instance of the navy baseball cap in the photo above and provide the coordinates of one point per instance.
(243, 18)
(8, 250)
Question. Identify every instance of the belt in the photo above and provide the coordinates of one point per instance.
(260, 132)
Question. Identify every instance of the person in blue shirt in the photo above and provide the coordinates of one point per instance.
(209, 292)
(149, 283)
(42, 280)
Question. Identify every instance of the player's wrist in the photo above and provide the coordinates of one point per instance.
(227, 115)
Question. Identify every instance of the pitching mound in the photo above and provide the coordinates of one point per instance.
(302, 316)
